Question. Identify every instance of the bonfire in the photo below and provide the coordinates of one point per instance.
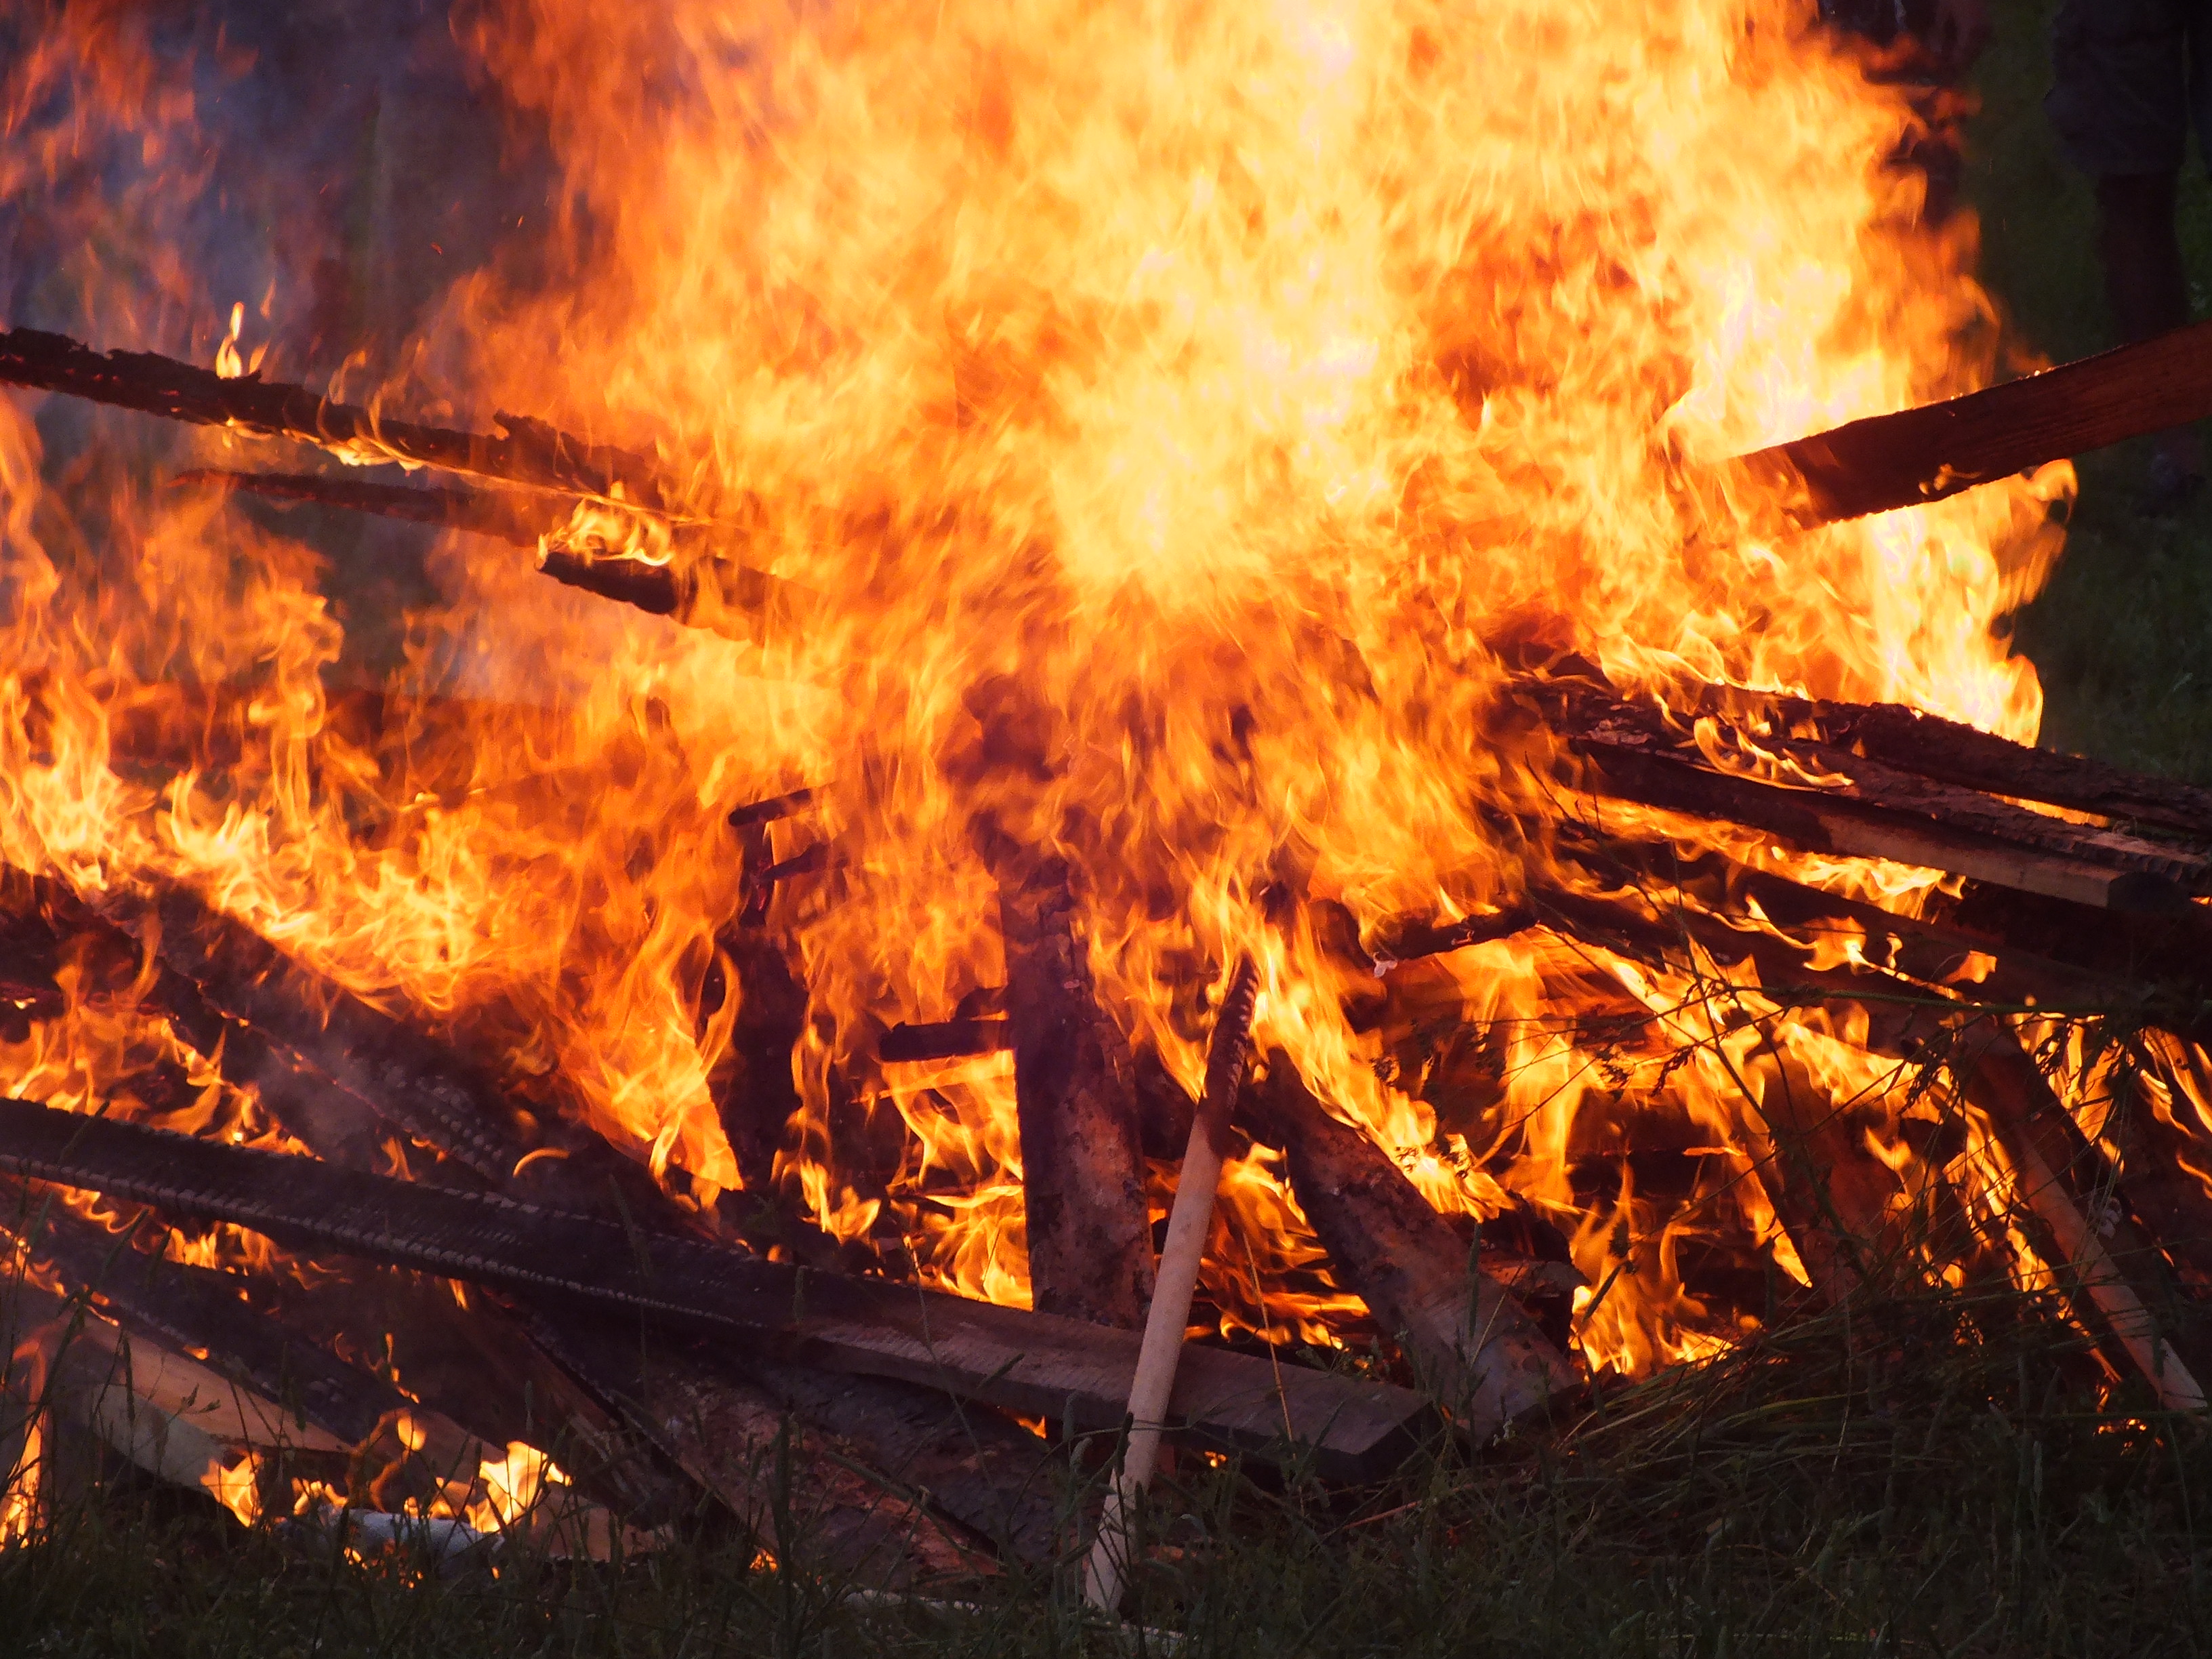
(1283, 726)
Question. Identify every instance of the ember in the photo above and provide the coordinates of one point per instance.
(1045, 504)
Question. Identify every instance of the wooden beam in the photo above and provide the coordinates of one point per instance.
(2107, 872)
(2115, 1265)
(528, 452)
(1083, 1167)
(1939, 449)
(1033, 1364)
(1913, 741)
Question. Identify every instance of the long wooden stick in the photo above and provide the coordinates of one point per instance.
(1188, 1225)
(528, 451)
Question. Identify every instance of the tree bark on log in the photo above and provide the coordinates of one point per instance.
(1478, 1350)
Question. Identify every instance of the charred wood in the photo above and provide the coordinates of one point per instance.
(529, 452)
(817, 1512)
(1976, 836)
(1027, 1363)
(414, 1082)
(1936, 450)
(699, 589)
(1083, 1171)
(2116, 1266)
(1477, 1348)
(946, 1039)
(1934, 747)
(187, 1308)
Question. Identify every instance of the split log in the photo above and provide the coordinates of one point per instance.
(529, 452)
(1025, 1362)
(1939, 449)
(1477, 1349)
(1083, 1167)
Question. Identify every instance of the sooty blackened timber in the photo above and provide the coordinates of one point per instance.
(529, 452)
(985, 1472)
(1083, 1171)
(2092, 867)
(413, 1082)
(698, 589)
(1915, 741)
(41, 920)
(193, 1310)
(1938, 449)
(1026, 1362)
(1482, 1354)
(818, 1512)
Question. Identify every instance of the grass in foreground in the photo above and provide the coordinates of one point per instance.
(1868, 1485)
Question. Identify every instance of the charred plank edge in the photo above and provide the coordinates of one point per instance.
(1026, 1362)
(1818, 822)
(1915, 741)
(529, 453)
(946, 1039)
(1925, 453)
(188, 1309)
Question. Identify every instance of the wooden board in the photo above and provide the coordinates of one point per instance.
(1936, 450)
(1034, 1364)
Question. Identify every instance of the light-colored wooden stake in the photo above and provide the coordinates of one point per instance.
(1107, 1571)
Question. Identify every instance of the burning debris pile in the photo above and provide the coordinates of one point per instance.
(761, 1072)
(662, 1339)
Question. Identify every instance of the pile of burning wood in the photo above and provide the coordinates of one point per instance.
(479, 1316)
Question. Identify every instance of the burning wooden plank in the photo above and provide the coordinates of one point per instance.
(1859, 810)
(1912, 740)
(187, 1308)
(1027, 1362)
(2114, 1264)
(699, 589)
(178, 1420)
(738, 1442)
(528, 452)
(1083, 1167)
(1939, 449)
